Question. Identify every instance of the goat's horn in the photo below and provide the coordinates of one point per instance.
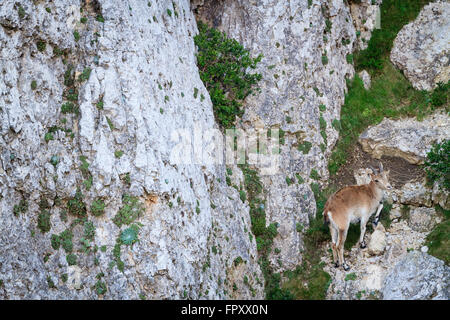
(374, 171)
(381, 167)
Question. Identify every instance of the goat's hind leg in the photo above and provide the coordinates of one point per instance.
(334, 239)
(342, 237)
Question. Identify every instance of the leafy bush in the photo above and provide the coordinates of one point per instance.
(223, 64)
(437, 165)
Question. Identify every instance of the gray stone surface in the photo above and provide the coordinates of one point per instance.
(406, 138)
(139, 56)
(293, 39)
(418, 276)
(421, 49)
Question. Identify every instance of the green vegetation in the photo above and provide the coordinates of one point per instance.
(350, 276)
(223, 64)
(130, 235)
(304, 147)
(22, 207)
(314, 174)
(437, 164)
(118, 153)
(76, 35)
(264, 235)
(69, 107)
(100, 18)
(76, 205)
(33, 85)
(41, 45)
(438, 240)
(391, 95)
(21, 12)
(85, 74)
(71, 259)
(48, 136)
(98, 207)
(309, 281)
(44, 216)
(83, 20)
(132, 209)
(100, 287)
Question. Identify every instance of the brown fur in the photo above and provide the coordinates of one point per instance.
(350, 204)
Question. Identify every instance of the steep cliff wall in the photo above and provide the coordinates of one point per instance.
(91, 94)
(307, 48)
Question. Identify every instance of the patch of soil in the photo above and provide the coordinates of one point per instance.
(401, 171)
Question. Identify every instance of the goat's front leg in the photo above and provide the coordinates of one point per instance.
(363, 224)
(377, 216)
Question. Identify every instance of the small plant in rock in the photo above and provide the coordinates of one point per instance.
(132, 209)
(85, 74)
(71, 259)
(76, 205)
(129, 235)
(437, 164)
(33, 85)
(22, 207)
(98, 207)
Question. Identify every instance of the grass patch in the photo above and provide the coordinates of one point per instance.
(438, 240)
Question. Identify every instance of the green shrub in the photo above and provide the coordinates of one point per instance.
(437, 164)
(223, 64)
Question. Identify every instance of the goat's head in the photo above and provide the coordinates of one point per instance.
(381, 178)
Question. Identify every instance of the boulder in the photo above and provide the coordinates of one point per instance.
(377, 242)
(422, 219)
(406, 138)
(365, 77)
(417, 276)
(421, 49)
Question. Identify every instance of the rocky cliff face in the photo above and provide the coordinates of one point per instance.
(307, 48)
(108, 185)
(92, 96)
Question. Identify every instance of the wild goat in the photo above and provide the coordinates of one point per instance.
(350, 205)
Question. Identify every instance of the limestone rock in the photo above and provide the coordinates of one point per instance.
(299, 91)
(362, 176)
(422, 219)
(415, 193)
(136, 100)
(377, 242)
(418, 276)
(365, 77)
(366, 17)
(421, 49)
(406, 138)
